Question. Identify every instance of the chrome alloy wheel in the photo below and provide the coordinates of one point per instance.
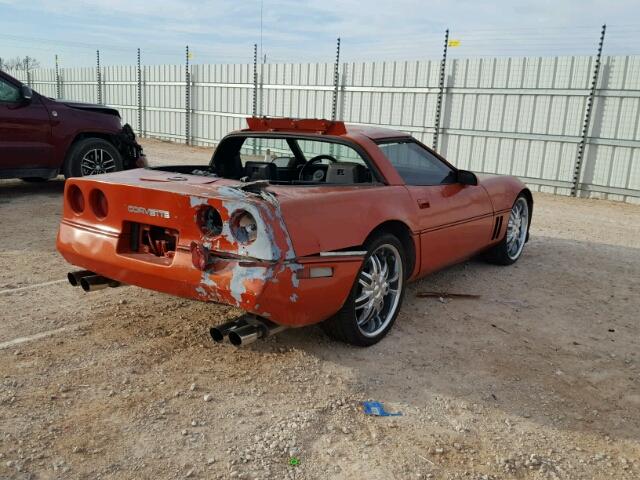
(379, 288)
(517, 228)
(97, 161)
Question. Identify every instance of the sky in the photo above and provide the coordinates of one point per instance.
(290, 31)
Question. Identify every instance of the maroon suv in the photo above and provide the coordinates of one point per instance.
(41, 137)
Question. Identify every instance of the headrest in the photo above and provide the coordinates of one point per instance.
(260, 170)
(343, 172)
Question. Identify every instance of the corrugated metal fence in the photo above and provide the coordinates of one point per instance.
(520, 116)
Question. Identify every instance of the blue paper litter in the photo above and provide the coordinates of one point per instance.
(377, 409)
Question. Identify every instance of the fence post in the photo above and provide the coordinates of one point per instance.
(261, 111)
(443, 66)
(99, 77)
(58, 86)
(336, 81)
(587, 118)
(26, 66)
(187, 100)
(139, 79)
(343, 89)
(254, 110)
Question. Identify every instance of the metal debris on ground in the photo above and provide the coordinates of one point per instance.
(446, 295)
(376, 409)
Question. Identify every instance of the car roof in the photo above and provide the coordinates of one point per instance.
(374, 132)
(319, 127)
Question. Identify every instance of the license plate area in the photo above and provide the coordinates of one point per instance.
(150, 243)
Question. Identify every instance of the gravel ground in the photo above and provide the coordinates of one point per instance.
(538, 378)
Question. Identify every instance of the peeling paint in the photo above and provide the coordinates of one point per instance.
(243, 275)
(294, 267)
(232, 281)
(197, 201)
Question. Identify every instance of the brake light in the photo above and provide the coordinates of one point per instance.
(99, 204)
(199, 256)
(75, 197)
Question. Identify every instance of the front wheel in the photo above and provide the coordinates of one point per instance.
(376, 296)
(509, 250)
(92, 156)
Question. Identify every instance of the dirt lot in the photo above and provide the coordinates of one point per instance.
(539, 378)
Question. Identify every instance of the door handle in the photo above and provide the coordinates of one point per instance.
(423, 203)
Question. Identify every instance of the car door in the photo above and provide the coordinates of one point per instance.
(25, 130)
(455, 220)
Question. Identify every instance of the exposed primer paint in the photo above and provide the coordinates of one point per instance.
(197, 201)
(264, 246)
(233, 281)
(242, 275)
(201, 291)
(207, 280)
(271, 199)
(294, 267)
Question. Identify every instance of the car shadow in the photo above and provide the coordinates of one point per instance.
(17, 188)
(551, 340)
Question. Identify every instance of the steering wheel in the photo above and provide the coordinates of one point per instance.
(315, 160)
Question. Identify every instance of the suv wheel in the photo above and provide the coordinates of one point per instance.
(92, 156)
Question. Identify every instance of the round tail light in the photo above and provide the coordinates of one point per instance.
(75, 198)
(209, 221)
(99, 204)
(244, 227)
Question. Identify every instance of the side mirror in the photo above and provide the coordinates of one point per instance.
(26, 93)
(466, 177)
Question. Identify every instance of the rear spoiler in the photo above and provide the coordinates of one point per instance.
(267, 124)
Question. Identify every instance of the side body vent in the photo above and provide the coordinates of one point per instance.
(497, 227)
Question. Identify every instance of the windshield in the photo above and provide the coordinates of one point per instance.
(290, 160)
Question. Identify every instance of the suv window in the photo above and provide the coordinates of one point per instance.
(8, 92)
(417, 165)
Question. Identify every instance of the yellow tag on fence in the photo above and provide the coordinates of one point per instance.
(454, 43)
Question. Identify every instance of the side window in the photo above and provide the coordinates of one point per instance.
(8, 92)
(416, 165)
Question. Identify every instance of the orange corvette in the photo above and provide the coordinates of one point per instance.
(296, 222)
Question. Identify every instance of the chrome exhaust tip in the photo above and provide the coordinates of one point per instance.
(75, 277)
(245, 330)
(220, 332)
(244, 335)
(92, 283)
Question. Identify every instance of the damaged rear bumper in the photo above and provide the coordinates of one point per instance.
(292, 292)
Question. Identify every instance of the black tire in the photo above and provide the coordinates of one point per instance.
(34, 179)
(73, 165)
(499, 254)
(343, 326)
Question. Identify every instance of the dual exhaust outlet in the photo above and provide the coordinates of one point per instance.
(245, 330)
(89, 281)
